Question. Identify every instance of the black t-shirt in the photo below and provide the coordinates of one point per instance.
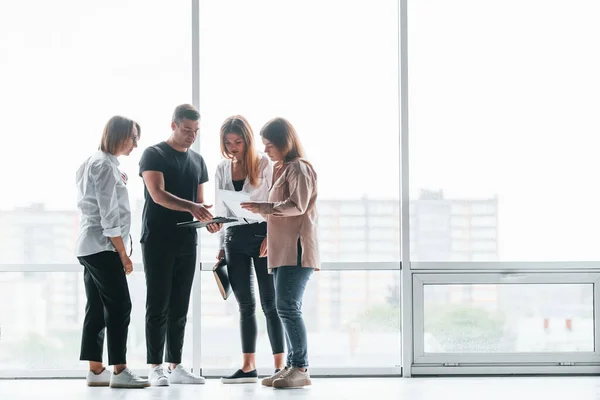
(182, 172)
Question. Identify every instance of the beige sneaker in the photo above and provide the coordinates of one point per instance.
(269, 381)
(292, 378)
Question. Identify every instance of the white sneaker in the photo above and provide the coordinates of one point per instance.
(101, 379)
(157, 377)
(181, 375)
(127, 380)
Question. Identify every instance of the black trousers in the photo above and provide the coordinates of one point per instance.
(242, 249)
(108, 306)
(169, 276)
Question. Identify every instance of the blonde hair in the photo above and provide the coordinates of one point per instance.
(240, 126)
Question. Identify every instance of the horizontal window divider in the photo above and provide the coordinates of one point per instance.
(416, 267)
(504, 265)
(342, 266)
(476, 278)
(205, 266)
(516, 358)
(509, 273)
(317, 372)
(508, 370)
(51, 267)
(210, 373)
(54, 373)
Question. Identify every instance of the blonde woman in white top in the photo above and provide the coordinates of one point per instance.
(243, 244)
(103, 249)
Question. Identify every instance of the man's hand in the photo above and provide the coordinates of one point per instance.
(127, 264)
(221, 255)
(251, 206)
(263, 248)
(200, 212)
(214, 228)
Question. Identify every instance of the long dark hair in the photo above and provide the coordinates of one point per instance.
(281, 133)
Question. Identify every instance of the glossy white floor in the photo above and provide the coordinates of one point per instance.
(546, 388)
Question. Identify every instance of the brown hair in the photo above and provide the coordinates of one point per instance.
(283, 136)
(116, 132)
(185, 111)
(240, 126)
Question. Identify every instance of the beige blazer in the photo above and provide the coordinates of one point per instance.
(291, 214)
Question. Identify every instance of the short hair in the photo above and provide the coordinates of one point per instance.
(185, 111)
(283, 136)
(117, 131)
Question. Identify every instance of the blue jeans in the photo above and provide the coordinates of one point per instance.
(290, 282)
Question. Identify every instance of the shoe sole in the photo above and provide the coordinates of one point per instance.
(239, 380)
(306, 383)
(126, 386)
(161, 384)
(98, 384)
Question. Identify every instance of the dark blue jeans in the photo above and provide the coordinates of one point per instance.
(290, 282)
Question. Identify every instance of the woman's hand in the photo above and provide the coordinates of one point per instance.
(251, 206)
(263, 248)
(213, 228)
(221, 255)
(127, 264)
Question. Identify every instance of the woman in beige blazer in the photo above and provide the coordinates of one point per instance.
(292, 246)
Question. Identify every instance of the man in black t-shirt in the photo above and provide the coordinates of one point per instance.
(173, 190)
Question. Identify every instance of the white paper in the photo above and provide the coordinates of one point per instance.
(233, 202)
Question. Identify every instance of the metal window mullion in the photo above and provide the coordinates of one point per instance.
(407, 293)
(196, 288)
(597, 317)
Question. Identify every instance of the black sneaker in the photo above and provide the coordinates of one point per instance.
(241, 377)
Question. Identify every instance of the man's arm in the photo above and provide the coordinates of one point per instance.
(200, 194)
(155, 183)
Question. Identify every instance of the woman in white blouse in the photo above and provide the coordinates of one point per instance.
(103, 248)
(243, 244)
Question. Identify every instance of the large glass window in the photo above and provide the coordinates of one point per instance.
(41, 315)
(508, 318)
(466, 319)
(352, 319)
(64, 74)
(330, 68)
(504, 128)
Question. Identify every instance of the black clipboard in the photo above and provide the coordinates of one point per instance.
(200, 224)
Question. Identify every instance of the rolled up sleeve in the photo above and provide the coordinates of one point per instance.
(105, 184)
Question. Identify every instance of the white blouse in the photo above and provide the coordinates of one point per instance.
(104, 203)
(224, 181)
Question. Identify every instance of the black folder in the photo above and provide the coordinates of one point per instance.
(222, 278)
(199, 224)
